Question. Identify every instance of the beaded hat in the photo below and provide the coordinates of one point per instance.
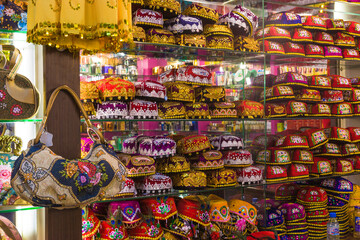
(321, 167)
(197, 110)
(161, 208)
(272, 47)
(315, 137)
(313, 50)
(338, 134)
(273, 33)
(193, 144)
(151, 90)
(354, 134)
(249, 109)
(333, 52)
(301, 35)
(138, 165)
(238, 158)
(278, 92)
(208, 161)
(312, 195)
(319, 109)
(210, 94)
(115, 88)
(243, 209)
(286, 192)
(194, 208)
(172, 164)
(227, 142)
(343, 167)
(292, 48)
(292, 141)
(147, 229)
(335, 24)
(341, 109)
(156, 35)
(352, 96)
(90, 223)
(88, 91)
(129, 211)
(207, 15)
(328, 149)
(246, 44)
(275, 110)
(344, 40)
(138, 33)
(283, 19)
(270, 218)
(194, 75)
(313, 22)
(195, 40)
(219, 209)
(147, 18)
(351, 54)
(319, 82)
(110, 230)
(249, 175)
(323, 38)
(302, 156)
(189, 180)
(291, 78)
(352, 28)
(292, 211)
(221, 178)
(157, 183)
(223, 110)
(297, 171)
(308, 95)
(168, 110)
(179, 92)
(295, 108)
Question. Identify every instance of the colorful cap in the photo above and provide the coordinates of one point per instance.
(323, 38)
(278, 92)
(129, 210)
(112, 109)
(179, 92)
(343, 167)
(220, 42)
(210, 94)
(157, 183)
(156, 35)
(147, 229)
(319, 109)
(249, 174)
(194, 75)
(158, 146)
(337, 185)
(295, 108)
(238, 158)
(113, 88)
(143, 109)
(275, 110)
(184, 24)
(272, 47)
(167, 76)
(313, 22)
(338, 134)
(313, 50)
(319, 82)
(219, 209)
(355, 160)
(298, 171)
(293, 48)
(209, 160)
(168, 110)
(236, 23)
(286, 191)
(147, 18)
(172, 164)
(243, 209)
(341, 109)
(90, 223)
(311, 195)
(128, 188)
(273, 33)
(197, 110)
(344, 40)
(273, 218)
(193, 144)
(110, 230)
(279, 157)
(194, 208)
(227, 142)
(291, 78)
(321, 167)
(328, 149)
(302, 35)
(354, 134)
(351, 54)
(179, 227)
(333, 52)
(138, 165)
(246, 44)
(352, 96)
(302, 156)
(315, 137)
(284, 19)
(195, 40)
(356, 109)
(332, 96)
(276, 173)
(161, 208)
(292, 141)
(249, 16)
(88, 91)
(151, 90)
(292, 211)
(217, 30)
(249, 109)
(308, 95)
(223, 110)
(221, 178)
(352, 28)
(207, 15)
(189, 180)
(335, 24)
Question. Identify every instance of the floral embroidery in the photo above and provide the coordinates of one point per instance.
(296, 139)
(291, 16)
(153, 231)
(282, 156)
(318, 137)
(324, 166)
(163, 208)
(275, 17)
(87, 226)
(116, 234)
(16, 110)
(285, 90)
(2, 95)
(298, 107)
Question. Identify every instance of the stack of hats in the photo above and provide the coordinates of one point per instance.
(295, 221)
(287, 192)
(271, 219)
(315, 200)
(338, 191)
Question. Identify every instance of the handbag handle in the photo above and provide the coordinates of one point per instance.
(9, 228)
(15, 60)
(78, 103)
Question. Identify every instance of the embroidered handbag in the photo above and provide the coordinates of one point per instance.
(19, 98)
(45, 179)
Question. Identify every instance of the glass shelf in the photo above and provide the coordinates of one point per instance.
(212, 190)
(22, 120)
(16, 208)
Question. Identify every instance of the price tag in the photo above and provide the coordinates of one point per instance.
(46, 138)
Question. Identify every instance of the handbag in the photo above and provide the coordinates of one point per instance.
(19, 99)
(45, 179)
(8, 230)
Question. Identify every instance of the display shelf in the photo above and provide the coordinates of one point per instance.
(22, 120)
(17, 208)
(212, 190)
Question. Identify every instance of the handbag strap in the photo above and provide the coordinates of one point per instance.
(78, 103)
(9, 228)
(15, 60)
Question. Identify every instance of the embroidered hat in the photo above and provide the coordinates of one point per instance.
(194, 208)
(249, 109)
(236, 23)
(129, 210)
(338, 134)
(333, 52)
(163, 36)
(302, 156)
(352, 96)
(311, 195)
(246, 44)
(179, 227)
(351, 54)
(128, 188)
(207, 15)
(138, 165)
(298, 171)
(238, 158)
(356, 109)
(344, 40)
(319, 109)
(295, 108)
(355, 82)
(112, 109)
(217, 30)
(249, 16)
(90, 223)
(286, 192)
(179, 92)
(161, 208)
(276, 173)
(272, 47)
(332, 96)
(355, 160)
(193, 144)
(323, 38)
(210, 94)
(354, 134)
(337, 185)
(209, 160)
(111, 230)
(138, 33)
(315, 137)
(292, 141)
(313, 22)
(312, 50)
(343, 167)
(278, 92)
(147, 18)
(301, 35)
(219, 209)
(249, 175)
(223, 110)
(220, 42)
(279, 157)
(157, 183)
(194, 40)
(319, 82)
(263, 156)
(147, 229)
(189, 180)
(352, 28)
(243, 209)
(172, 164)
(184, 24)
(270, 218)
(221, 178)
(273, 33)
(275, 110)
(292, 211)
(157, 147)
(317, 214)
(341, 109)
(168, 110)
(291, 78)
(284, 19)
(143, 109)
(151, 90)
(321, 167)
(88, 91)
(335, 24)
(258, 82)
(194, 75)
(167, 76)
(113, 88)
(292, 48)
(197, 110)
(328, 149)
(227, 142)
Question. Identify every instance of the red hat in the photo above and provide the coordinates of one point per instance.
(273, 33)
(355, 82)
(332, 96)
(319, 82)
(338, 134)
(298, 171)
(308, 95)
(263, 235)
(292, 141)
(275, 110)
(108, 231)
(249, 109)
(279, 157)
(319, 109)
(161, 208)
(302, 156)
(351, 54)
(315, 137)
(328, 149)
(278, 92)
(348, 149)
(323, 38)
(276, 173)
(341, 109)
(312, 195)
(356, 109)
(321, 167)
(90, 223)
(312, 50)
(344, 40)
(272, 47)
(352, 96)
(354, 134)
(291, 78)
(340, 83)
(313, 22)
(333, 52)
(295, 108)
(292, 48)
(335, 24)
(286, 191)
(355, 160)
(148, 229)
(302, 35)
(352, 28)
(194, 208)
(343, 167)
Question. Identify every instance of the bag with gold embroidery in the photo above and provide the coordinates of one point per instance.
(45, 179)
